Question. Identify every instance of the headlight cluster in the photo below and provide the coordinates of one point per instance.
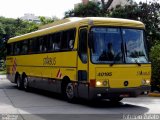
(145, 82)
(102, 83)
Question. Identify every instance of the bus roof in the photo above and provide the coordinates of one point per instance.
(73, 22)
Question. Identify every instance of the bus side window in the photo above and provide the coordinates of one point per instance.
(17, 48)
(64, 40)
(67, 41)
(83, 45)
(30, 47)
(12, 49)
(45, 44)
(24, 47)
(56, 43)
(52, 44)
(8, 49)
(72, 34)
(40, 42)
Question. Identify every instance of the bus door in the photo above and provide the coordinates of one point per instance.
(82, 63)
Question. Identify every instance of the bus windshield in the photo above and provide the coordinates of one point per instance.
(118, 45)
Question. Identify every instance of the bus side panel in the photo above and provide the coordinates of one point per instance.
(45, 71)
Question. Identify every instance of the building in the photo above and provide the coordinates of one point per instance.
(30, 17)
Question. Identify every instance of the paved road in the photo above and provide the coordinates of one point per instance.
(45, 105)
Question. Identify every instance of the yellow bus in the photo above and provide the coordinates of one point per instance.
(91, 58)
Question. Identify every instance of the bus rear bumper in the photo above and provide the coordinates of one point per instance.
(107, 93)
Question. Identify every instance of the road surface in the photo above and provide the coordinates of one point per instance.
(42, 105)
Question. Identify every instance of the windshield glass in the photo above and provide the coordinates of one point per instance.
(134, 46)
(106, 45)
(116, 45)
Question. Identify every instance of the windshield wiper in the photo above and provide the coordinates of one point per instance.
(114, 60)
(139, 64)
(112, 63)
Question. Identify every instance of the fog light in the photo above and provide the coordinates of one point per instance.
(98, 83)
(104, 83)
(146, 92)
(143, 82)
(99, 95)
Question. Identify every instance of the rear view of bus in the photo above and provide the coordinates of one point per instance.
(119, 65)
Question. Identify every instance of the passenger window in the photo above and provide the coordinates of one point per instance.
(24, 47)
(83, 45)
(45, 43)
(68, 38)
(40, 41)
(17, 48)
(64, 42)
(30, 49)
(8, 49)
(50, 42)
(56, 43)
(72, 35)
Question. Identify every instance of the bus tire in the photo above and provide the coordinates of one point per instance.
(115, 100)
(25, 83)
(70, 92)
(19, 82)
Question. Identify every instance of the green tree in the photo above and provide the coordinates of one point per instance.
(155, 59)
(91, 9)
(106, 5)
(2, 31)
(12, 27)
(45, 20)
(147, 13)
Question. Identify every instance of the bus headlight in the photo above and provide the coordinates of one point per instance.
(98, 83)
(147, 81)
(102, 83)
(144, 82)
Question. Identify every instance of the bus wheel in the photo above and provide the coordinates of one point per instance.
(19, 82)
(26, 87)
(115, 100)
(70, 92)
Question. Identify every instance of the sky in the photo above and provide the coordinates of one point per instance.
(48, 8)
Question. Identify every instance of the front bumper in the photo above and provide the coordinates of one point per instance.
(107, 93)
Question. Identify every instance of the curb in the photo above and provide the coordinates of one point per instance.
(154, 94)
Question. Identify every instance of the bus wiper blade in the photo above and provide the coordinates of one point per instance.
(112, 63)
(139, 64)
(114, 60)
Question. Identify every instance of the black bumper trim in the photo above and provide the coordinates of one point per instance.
(104, 93)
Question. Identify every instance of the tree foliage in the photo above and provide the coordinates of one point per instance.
(155, 59)
(45, 20)
(10, 27)
(147, 13)
(91, 9)
(106, 5)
